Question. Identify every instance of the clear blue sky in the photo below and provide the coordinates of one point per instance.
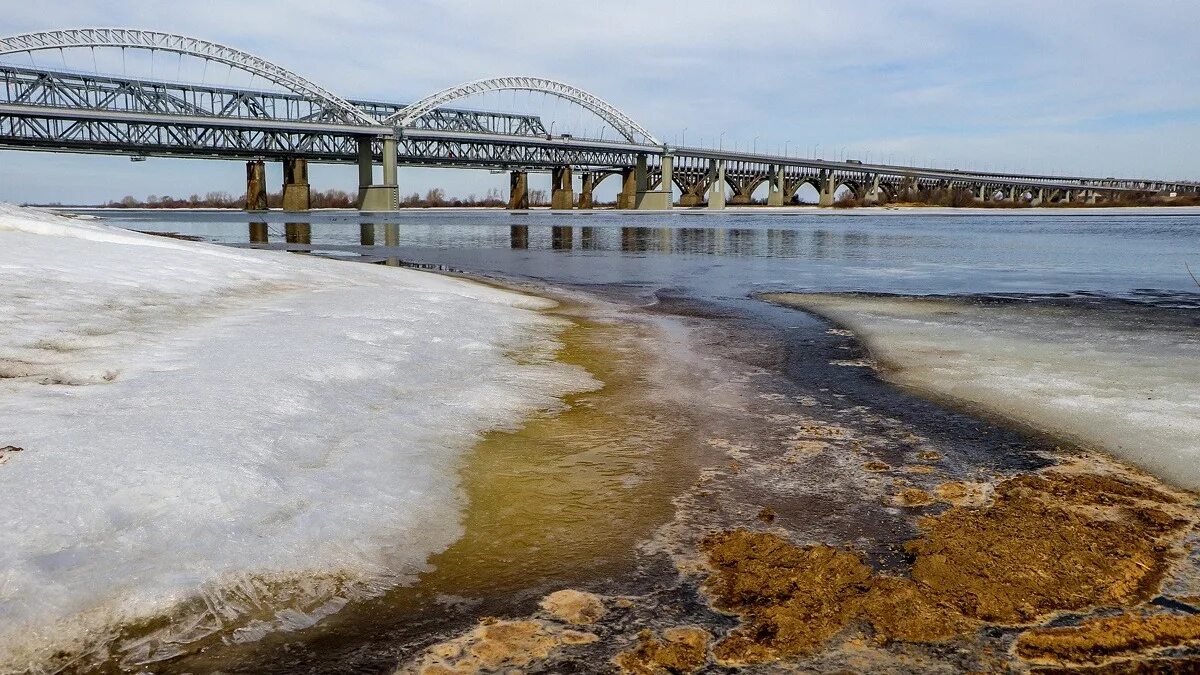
(1101, 87)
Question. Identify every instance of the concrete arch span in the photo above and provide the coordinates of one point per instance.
(629, 129)
(131, 38)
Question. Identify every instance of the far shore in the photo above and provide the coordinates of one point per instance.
(806, 209)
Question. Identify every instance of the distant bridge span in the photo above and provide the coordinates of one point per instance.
(61, 111)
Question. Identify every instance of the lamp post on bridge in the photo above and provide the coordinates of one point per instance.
(721, 143)
(755, 151)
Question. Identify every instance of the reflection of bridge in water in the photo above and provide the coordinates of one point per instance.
(381, 242)
(59, 110)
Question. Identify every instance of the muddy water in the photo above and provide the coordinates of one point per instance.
(563, 501)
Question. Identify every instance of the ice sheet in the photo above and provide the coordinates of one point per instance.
(1115, 376)
(242, 439)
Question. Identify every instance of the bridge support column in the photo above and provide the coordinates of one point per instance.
(256, 185)
(1039, 196)
(295, 185)
(258, 233)
(828, 188)
(518, 191)
(873, 192)
(649, 199)
(588, 186)
(1090, 197)
(775, 186)
(716, 186)
(627, 198)
(562, 193)
(372, 197)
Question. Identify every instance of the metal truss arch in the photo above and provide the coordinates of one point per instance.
(181, 44)
(632, 131)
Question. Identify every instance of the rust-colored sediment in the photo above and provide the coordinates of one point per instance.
(793, 599)
(497, 645)
(1048, 542)
(959, 493)
(1100, 639)
(913, 497)
(573, 606)
(681, 650)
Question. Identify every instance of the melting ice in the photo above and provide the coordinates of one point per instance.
(1116, 376)
(243, 439)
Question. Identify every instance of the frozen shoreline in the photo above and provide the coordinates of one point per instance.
(245, 439)
(1124, 384)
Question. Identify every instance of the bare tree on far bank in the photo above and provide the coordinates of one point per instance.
(326, 199)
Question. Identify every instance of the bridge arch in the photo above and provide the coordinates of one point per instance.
(131, 38)
(632, 131)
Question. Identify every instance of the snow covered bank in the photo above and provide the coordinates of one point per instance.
(242, 439)
(1118, 377)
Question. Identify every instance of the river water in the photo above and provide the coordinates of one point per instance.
(602, 498)
(1121, 253)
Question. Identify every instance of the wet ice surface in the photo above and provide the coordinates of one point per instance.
(246, 440)
(1119, 376)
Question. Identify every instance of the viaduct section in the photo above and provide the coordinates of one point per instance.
(64, 111)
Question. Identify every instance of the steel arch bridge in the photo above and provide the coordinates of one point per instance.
(61, 111)
(632, 131)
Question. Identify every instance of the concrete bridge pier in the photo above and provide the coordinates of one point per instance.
(1090, 197)
(716, 186)
(627, 198)
(372, 196)
(1039, 196)
(258, 233)
(653, 197)
(873, 192)
(295, 185)
(256, 185)
(518, 191)
(775, 186)
(587, 187)
(828, 188)
(562, 194)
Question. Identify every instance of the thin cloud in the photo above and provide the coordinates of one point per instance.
(1064, 86)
